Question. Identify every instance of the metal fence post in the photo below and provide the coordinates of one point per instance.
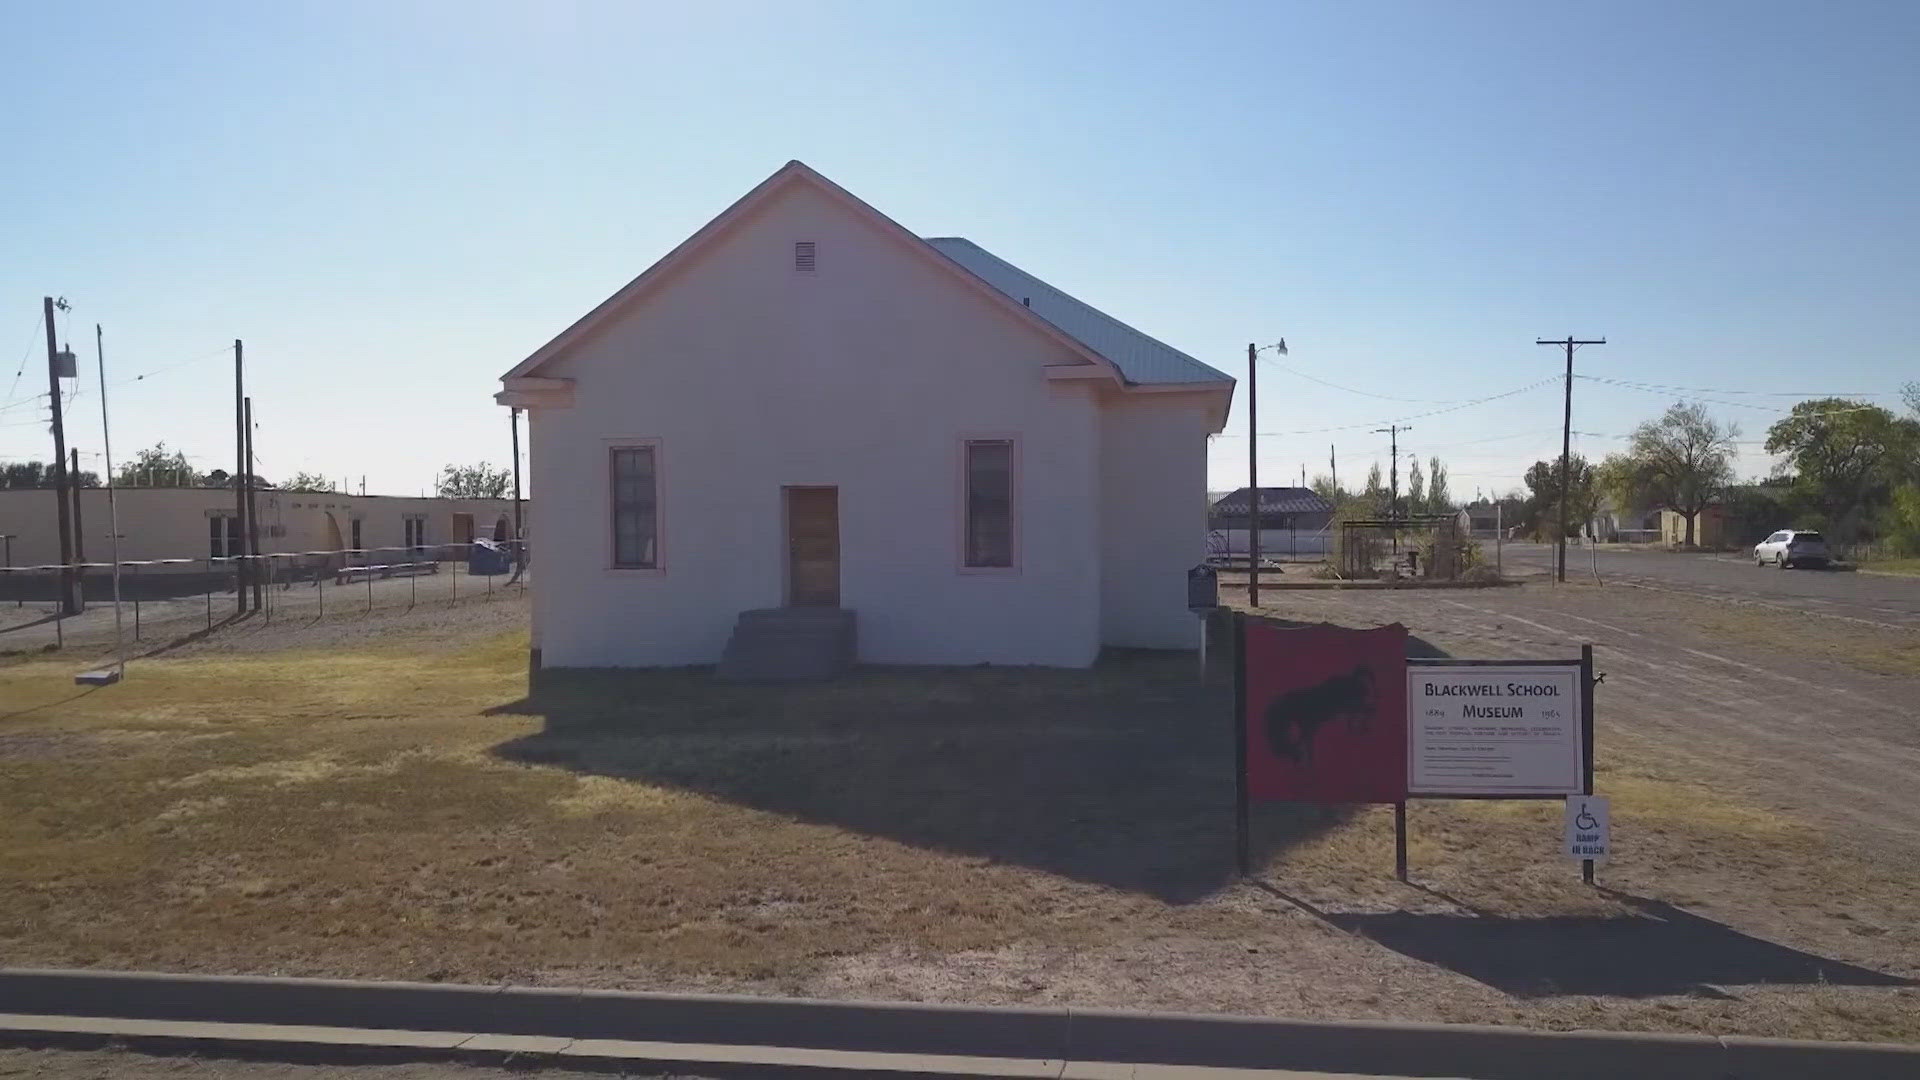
(456, 574)
(366, 569)
(136, 601)
(209, 594)
(413, 577)
(320, 580)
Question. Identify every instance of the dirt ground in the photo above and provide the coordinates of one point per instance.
(382, 799)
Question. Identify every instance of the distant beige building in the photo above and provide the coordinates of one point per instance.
(1709, 528)
(195, 524)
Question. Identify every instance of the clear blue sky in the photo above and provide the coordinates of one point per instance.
(393, 203)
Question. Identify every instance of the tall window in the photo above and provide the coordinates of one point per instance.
(990, 503)
(223, 535)
(414, 528)
(636, 517)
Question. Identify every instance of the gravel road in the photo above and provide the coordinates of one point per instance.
(1873, 599)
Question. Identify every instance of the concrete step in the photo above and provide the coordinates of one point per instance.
(789, 644)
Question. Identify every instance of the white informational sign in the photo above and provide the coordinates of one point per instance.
(1494, 729)
(1588, 832)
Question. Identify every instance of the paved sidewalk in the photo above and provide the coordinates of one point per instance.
(305, 1020)
(131, 1065)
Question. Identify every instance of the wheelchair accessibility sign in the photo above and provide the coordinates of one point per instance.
(1588, 835)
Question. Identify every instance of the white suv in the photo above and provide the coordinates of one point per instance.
(1791, 547)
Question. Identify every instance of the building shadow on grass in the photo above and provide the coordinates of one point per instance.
(1650, 950)
(1120, 775)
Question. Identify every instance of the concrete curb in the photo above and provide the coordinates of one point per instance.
(438, 1019)
(1321, 585)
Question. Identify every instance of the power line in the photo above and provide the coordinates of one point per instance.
(32, 338)
(1651, 388)
(1362, 393)
(163, 369)
(1417, 416)
(33, 400)
(1729, 390)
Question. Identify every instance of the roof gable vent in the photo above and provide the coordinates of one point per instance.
(803, 256)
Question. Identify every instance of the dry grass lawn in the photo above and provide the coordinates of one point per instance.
(402, 808)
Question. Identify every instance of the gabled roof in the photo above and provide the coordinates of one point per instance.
(1275, 500)
(1142, 360)
(1100, 344)
(790, 173)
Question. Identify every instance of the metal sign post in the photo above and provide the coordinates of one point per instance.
(1203, 598)
(1587, 683)
(1243, 856)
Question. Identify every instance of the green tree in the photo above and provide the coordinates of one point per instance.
(1846, 458)
(1681, 462)
(156, 466)
(1439, 498)
(1543, 505)
(1903, 519)
(306, 481)
(477, 481)
(1755, 510)
(36, 474)
(1416, 489)
(1373, 498)
(1617, 481)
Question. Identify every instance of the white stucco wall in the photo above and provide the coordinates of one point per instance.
(1153, 474)
(866, 374)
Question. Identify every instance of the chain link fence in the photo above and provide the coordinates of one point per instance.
(174, 596)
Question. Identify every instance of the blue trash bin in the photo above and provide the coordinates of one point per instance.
(488, 558)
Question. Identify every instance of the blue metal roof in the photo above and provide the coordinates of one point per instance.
(1142, 360)
(1274, 500)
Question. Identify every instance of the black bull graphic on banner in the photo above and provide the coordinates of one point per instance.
(1295, 718)
(1325, 713)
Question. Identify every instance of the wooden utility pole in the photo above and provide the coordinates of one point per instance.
(1393, 436)
(1253, 480)
(253, 515)
(1566, 451)
(69, 603)
(239, 477)
(1333, 470)
(513, 415)
(1253, 469)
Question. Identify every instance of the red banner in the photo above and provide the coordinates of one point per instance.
(1326, 714)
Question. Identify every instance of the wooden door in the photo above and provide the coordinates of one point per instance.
(813, 546)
